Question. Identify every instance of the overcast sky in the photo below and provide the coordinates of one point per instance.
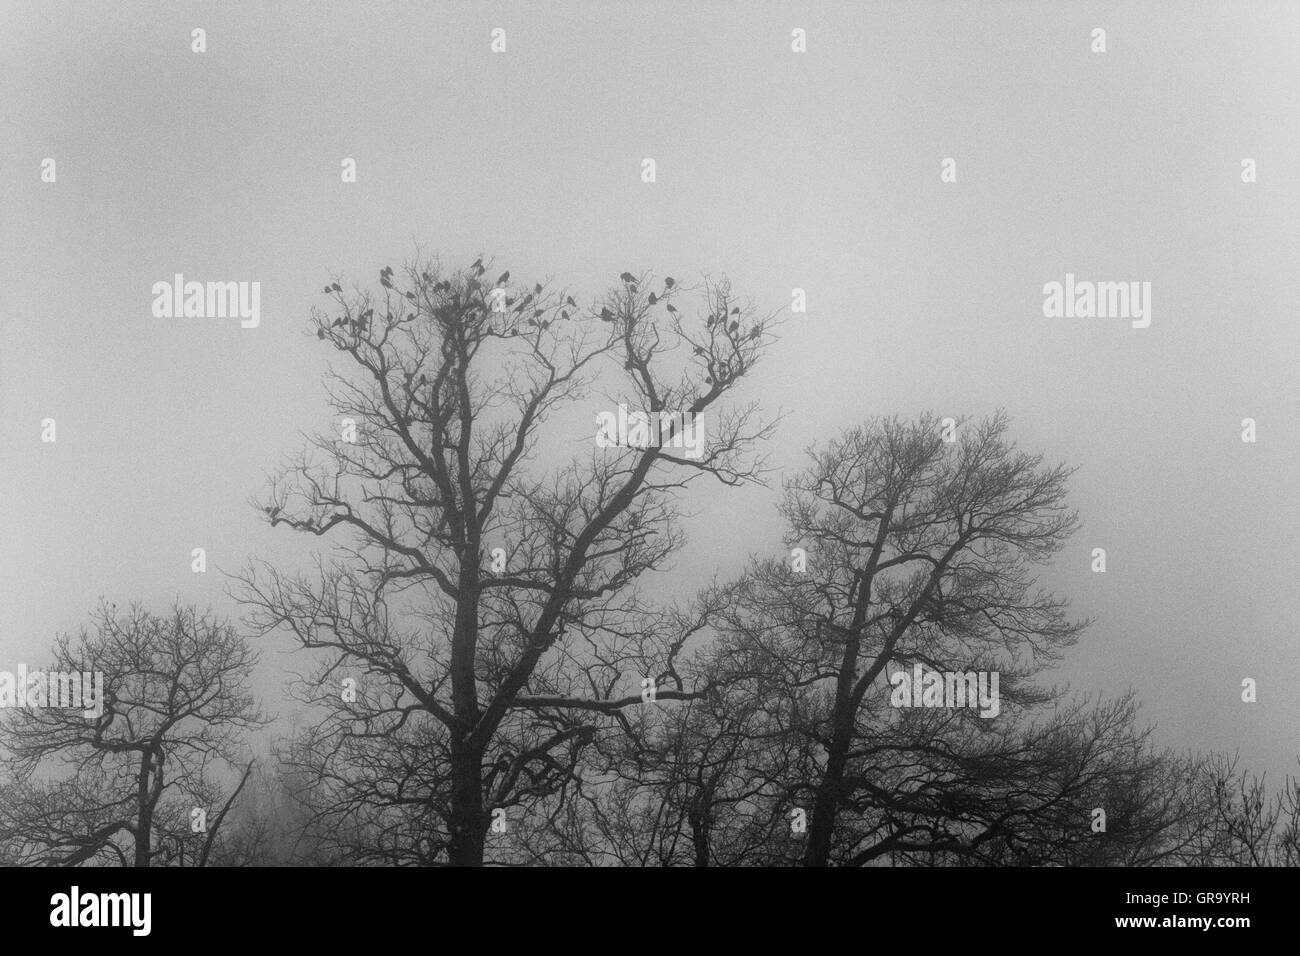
(816, 170)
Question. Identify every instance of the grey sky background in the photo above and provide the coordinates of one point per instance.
(817, 170)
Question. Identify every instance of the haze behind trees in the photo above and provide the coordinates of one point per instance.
(498, 714)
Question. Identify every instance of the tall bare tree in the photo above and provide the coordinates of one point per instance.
(480, 686)
(919, 551)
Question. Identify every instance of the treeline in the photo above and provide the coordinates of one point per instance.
(491, 683)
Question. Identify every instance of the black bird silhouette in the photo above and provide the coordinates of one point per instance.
(570, 301)
(328, 290)
(653, 298)
(607, 315)
(669, 282)
(672, 308)
(537, 289)
(628, 277)
(320, 333)
(733, 326)
(336, 287)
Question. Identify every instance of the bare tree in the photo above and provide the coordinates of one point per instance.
(482, 685)
(121, 786)
(918, 552)
(1235, 820)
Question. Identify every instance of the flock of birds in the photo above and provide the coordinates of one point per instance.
(476, 272)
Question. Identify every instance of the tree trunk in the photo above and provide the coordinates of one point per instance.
(468, 824)
(825, 805)
(827, 801)
(701, 826)
(144, 812)
(467, 821)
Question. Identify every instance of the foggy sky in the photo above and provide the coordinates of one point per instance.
(781, 170)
